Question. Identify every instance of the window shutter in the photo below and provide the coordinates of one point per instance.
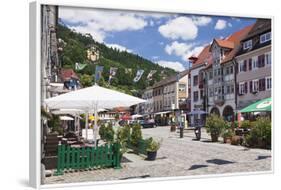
(245, 65)
(250, 64)
(246, 87)
(262, 60)
(259, 61)
(262, 84)
(251, 86)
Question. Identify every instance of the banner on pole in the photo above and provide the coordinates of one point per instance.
(128, 70)
(150, 74)
(112, 73)
(138, 75)
(98, 73)
(79, 66)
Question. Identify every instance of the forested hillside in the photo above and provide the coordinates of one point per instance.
(75, 46)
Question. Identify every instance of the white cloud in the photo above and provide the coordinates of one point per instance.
(119, 47)
(99, 22)
(177, 66)
(180, 27)
(183, 50)
(229, 24)
(201, 20)
(237, 19)
(221, 24)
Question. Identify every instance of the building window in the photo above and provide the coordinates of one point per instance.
(210, 75)
(243, 66)
(182, 87)
(247, 44)
(201, 94)
(254, 62)
(195, 96)
(210, 92)
(195, 80)
(268, 83)
(255, 86)
(268, 58)
(265, 37)
(227, 70)
(242, 88)
(231, 69)
(232, 89)
(216, 91)
(228, 90)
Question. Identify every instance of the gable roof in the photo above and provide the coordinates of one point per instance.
(205, 57)
(224, 43)
(232, 43)
(260, 27)
(171, 79)
(236, 38)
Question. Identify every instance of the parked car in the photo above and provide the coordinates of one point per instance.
(147, 123)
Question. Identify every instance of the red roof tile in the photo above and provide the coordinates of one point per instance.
(232, 43)
(236, 38)
(225, 43)
(204, 57)
(67, 74)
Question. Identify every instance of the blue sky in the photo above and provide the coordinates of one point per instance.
(166, 39)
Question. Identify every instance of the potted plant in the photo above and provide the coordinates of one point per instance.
(227, 135)
(136, 136)
(152, 148)
(173, 127)
(215, 126)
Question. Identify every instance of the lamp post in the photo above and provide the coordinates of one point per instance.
(181, 125)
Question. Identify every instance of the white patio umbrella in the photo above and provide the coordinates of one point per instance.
(92, 98)
(136, 116)
(66, 118)
(74, 112)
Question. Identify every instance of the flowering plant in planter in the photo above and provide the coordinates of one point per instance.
(227, 135)
(215, 126)
(152, 148)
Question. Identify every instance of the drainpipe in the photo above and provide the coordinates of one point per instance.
(235, 88)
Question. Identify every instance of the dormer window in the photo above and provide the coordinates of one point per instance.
(247, 45)
(265, 37)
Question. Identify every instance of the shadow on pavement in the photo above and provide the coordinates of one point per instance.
(262, 157)
(194, 167)
(134, 177)
(219, 161)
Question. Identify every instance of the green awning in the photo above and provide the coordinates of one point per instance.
(263, 105)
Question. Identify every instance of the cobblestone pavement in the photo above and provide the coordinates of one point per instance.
(178, 157)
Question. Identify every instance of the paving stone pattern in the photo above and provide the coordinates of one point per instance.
(178, 157)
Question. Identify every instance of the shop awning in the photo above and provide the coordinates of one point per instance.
(163, 112)
(263, 105)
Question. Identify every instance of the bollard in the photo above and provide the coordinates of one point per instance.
(181, 132)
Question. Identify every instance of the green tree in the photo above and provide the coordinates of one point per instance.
(215, 125)
(136, 135)
(86, 80)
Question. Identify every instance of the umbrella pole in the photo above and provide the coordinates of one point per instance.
(96, 126)
(87, 125)
(78, 127)
(75, 124)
